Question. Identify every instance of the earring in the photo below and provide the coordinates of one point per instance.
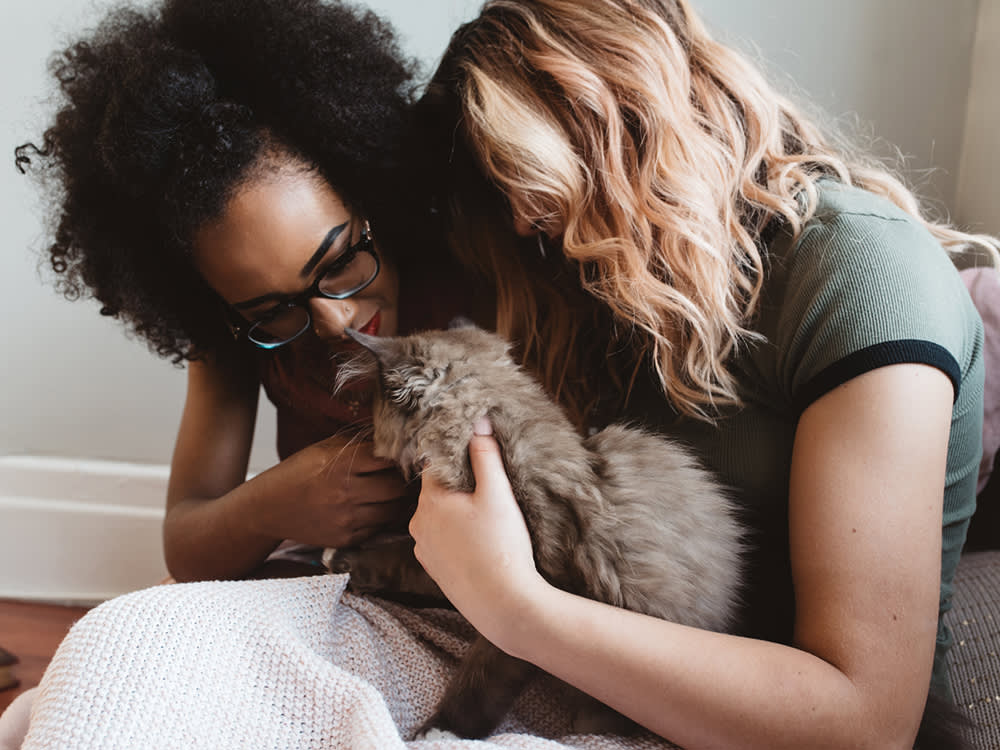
(541, 243)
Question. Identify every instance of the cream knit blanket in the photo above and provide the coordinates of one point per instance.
(284, 664)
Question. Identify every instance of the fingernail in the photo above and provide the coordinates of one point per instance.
(482, 426)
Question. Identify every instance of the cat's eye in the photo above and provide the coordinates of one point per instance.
(405, 386)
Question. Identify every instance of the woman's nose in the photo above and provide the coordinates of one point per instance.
(331, 316)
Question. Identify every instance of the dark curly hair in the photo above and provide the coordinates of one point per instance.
(166, 112)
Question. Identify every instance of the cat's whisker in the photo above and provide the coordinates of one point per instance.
(353, 367)
(354, 441)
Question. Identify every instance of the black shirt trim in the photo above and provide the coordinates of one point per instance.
(904, 351)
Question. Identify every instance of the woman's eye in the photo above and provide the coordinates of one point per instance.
(258, 317)
(337, 267)
(266, 315)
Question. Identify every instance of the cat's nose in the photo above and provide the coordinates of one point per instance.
(330, 317)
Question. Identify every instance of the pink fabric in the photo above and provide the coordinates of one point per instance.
(14, 721)
(984, 288)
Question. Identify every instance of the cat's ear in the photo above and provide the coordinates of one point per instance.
(497, 344)
(483, 338)
(387, 350)
(460, 321)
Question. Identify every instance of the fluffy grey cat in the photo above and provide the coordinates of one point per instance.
(624, 516)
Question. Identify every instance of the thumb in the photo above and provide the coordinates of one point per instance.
(484, 454)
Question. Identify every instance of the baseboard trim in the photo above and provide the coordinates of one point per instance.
(79, 530)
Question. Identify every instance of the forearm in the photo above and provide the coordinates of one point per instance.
(334, 493)
(865, 506)
(697, 688)
(220, 538)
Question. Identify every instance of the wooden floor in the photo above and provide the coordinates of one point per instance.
(32, 632)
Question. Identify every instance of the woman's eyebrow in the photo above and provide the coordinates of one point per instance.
(307, 269)
(331, 236)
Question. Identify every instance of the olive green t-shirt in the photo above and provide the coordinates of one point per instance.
(863, 286)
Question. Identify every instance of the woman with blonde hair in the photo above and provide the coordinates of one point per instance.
(675, 243)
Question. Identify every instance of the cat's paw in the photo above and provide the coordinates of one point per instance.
(366, 577)
(386, 566)
(451, 721)
(334, 561)
(436, 734)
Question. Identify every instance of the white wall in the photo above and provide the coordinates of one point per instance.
(901, 66)
(978, 199)
(72, 385)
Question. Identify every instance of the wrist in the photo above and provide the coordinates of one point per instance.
(525, 616)
(208, 539)
(253, 511)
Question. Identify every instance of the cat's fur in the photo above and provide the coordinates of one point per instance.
(624, 516)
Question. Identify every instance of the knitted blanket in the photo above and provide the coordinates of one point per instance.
(293, 663)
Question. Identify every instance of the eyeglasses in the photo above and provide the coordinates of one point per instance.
(350, 272)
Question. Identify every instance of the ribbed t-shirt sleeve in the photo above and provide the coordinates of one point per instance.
(865, 289)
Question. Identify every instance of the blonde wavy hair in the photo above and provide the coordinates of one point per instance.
(659, 156)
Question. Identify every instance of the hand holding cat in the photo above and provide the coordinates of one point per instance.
(476, 546)
(344, 495)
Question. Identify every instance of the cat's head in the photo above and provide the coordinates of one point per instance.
(430, 387)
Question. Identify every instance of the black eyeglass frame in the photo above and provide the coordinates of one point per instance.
(240, 326)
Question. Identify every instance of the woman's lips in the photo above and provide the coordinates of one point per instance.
(371, 327)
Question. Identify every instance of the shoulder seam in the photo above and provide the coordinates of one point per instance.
(898, 219)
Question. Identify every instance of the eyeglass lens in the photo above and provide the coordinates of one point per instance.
(343, 281)
(285, 325)
(339, 282)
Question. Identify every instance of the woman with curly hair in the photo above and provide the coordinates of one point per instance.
(221, 170)
(674, 242)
